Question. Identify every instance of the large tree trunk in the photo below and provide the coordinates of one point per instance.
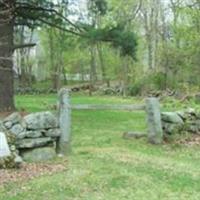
(6, 52)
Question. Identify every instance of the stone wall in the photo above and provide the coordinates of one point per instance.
(187, 121)
(35, 135)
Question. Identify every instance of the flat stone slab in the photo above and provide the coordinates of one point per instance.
(30, 134)
(133, 135)
(41, 120)
(39, 154)
(33, 143)
(4, 148)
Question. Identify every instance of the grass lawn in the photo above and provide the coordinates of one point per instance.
(103, 166)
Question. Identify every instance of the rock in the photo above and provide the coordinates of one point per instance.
(8, 124)
(2, 127)
(182, 114)
(14, 118)
(42, 120)
(190, 111)
(171, 128)
(17, 129)
(12, 147)
(18, 161)
(198, 115)
(171, 117)
(4, 148)
(53, 132)
(197, 98)
(192, 128)
(32, 143)
(39, 154)
(30, 134)
(133, 135)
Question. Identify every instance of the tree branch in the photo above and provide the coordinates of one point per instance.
(21, 46)
(27, 6)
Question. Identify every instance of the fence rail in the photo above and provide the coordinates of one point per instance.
(108, 107)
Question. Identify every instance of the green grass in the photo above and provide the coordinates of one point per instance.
(103, 166)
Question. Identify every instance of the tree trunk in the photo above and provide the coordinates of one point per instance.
(125, 76)
(93, 73)
(6, 52)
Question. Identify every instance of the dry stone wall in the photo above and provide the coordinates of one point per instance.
(35, 136)
(181, 122)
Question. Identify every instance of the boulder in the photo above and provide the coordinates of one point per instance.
(39, 154)
(53, 132)
(42, 120)
(171, 117)
(33, 143)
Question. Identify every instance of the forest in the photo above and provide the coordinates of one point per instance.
(129, 48)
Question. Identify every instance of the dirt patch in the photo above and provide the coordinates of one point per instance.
(29, 171)
(190, 141)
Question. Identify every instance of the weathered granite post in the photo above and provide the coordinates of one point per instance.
(63, 146)
(155, 132)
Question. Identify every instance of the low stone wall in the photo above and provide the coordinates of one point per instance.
(35, 135)
(179, 122)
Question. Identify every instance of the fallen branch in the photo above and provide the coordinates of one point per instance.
(133, 135)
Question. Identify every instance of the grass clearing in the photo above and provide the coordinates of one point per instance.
(103, 166)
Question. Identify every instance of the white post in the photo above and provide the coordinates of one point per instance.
(63, 146)
(155, 132)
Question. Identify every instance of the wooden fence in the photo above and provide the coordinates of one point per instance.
(151, 106)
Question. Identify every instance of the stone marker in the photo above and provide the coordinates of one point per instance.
(63, 146)
(4, 148)
(155, 132)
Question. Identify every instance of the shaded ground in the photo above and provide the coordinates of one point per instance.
(30, 171)
(190, 141)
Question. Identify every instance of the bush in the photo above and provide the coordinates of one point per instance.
(148, 83)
